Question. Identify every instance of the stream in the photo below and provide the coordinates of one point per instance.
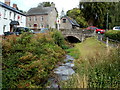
(62, 72)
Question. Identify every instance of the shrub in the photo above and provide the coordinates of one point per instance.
(29, 59)
(113, 34)
(58, 38)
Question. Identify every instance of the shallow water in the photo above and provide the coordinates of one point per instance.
(62, 72)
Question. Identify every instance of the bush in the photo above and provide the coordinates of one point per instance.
(59, 39)
(29, 59)
(113, 34)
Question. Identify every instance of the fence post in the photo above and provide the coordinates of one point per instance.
(107, 43)
(101, 37)
(83, 37)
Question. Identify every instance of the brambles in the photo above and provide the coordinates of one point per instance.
(29, 59)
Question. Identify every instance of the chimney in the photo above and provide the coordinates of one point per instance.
(52, 4)
(7, 2)
(15, 6)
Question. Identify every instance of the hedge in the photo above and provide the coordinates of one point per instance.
(113, 34)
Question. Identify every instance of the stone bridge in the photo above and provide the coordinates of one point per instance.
(77, 34)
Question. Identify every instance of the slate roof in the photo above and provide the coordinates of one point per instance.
(72, 21)
(10, 8)
(40, 10)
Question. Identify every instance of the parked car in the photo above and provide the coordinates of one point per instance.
(42, 30)
(116, 28)
(8, 33)
(91, 28)
(18, 31)
(97, 30)
(101, 31)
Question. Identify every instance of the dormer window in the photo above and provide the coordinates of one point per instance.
(64, 20)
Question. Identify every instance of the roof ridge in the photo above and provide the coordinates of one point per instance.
(72, 21)
(10, 8)
(39, 10)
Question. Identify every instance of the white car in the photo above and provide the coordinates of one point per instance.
(116, 28)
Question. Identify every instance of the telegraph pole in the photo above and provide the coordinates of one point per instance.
(107, 23)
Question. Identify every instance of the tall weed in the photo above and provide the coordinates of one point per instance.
(29, 59)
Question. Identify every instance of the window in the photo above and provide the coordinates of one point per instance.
(14, 15)
(4, 28)
(21, 19)
(47, 26)
(10, 15)
(29, 18)
(35, 18)
(42, 26)
(29, 25)
(42, 18)
(5, 14)
(73, 27)
(64, 20)
(0, 14)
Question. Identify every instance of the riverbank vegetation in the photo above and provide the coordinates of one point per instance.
(96, 67)
(29, 59)
(113, 34)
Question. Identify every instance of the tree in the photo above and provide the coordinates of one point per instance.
(76, 14)
(114, 14)
(45, 4)
(95, 13)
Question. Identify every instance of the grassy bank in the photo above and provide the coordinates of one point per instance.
(29, 59)
(96, 66)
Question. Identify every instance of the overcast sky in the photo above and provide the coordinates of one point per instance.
(66, 5)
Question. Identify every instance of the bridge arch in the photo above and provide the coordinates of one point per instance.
(72, 39)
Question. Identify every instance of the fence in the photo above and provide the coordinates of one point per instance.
(108, 41)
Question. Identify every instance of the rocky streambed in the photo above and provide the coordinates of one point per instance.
(62, 72)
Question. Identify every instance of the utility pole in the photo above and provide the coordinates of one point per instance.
(107, 23)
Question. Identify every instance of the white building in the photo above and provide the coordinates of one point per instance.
(10, 17)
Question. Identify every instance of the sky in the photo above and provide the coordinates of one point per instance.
(65, 5)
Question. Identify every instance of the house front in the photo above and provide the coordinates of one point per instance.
(10, 17)
(41, 17)
(68, 23)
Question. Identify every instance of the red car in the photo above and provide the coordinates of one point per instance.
(101, 31)
(91, 28)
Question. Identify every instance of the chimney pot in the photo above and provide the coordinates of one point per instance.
(15, 6)
(7, 2)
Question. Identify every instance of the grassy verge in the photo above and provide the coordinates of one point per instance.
(97, 66)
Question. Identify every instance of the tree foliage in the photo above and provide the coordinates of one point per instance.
(45, 4)
(95, 13)
(76, 14)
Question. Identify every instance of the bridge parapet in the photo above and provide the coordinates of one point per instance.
(81, 34)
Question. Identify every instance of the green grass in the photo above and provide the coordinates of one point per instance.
(73, 52)
(96, 67)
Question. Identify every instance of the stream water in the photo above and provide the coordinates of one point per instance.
(62, 72)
